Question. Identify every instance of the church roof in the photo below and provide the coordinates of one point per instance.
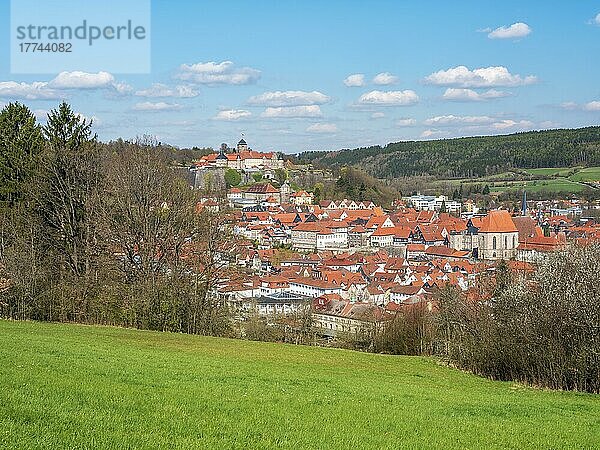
(497, 221)
(243, 142)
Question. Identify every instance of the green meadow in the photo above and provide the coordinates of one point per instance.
(552, 171)
(587, 174)
(551, 185)
(74, 386)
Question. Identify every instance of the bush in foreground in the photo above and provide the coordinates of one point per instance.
(543, 331)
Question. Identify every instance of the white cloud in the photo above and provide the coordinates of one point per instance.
(508, 124)
(85, 80)
(36, 90)
(122, 88)
(213, 73)
(433, 133)
(547, 124)
(377, 115)
(95, 120)
(389, 98)
(595, 20)
(469, 95)
(289, 98)
(589, 106)
(158, 106)
(458, 120)
(406, 122)
(514, 31)
(322, 128)
(232, 114)
(592, 106)
(569, 105)
(451, 125)
(385, 78)
(356, 80)
(162, 90)
(292, 111)
(461, 76)
(82, 80)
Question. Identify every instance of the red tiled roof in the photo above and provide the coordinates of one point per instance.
(497, 221)
(266, 188)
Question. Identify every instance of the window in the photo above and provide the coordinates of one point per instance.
(494, 243)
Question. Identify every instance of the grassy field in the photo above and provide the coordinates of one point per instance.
(572, 173)
(567, 180)
(552, 171)
(552, 185)
(70, 386)
(587, 174)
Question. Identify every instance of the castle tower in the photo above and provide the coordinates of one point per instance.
(242, 146)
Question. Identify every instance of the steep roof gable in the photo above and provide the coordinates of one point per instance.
(497, 221)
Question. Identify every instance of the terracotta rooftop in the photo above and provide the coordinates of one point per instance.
(497, 221)
(266, 188)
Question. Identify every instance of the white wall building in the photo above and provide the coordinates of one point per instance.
(432, 203)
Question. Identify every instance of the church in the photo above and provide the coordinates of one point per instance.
(494, 236)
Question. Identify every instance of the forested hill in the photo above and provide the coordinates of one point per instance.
(471, 156)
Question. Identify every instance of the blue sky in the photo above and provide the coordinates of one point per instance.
(310, 75)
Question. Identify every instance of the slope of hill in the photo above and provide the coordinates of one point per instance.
(73, 386)
(471, 156)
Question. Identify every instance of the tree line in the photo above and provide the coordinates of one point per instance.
(103, 233)
(470, 156)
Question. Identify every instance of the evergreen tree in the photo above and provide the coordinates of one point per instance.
(318, 192)
(69, 188)
(67, 132)
(21, 143)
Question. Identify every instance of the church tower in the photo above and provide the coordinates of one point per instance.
(285, 191)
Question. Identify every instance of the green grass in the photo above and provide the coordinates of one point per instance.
(552, 185)
(70, 386)
(550, 171)
(587, 174)
(567, 180)
(580, 173)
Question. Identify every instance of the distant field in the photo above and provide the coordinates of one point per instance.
(573, 173)
(69, 386)
(549, 171)
(563, 179)
(587, 174)
(552, 185)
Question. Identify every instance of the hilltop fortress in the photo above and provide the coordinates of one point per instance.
(241, 158)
